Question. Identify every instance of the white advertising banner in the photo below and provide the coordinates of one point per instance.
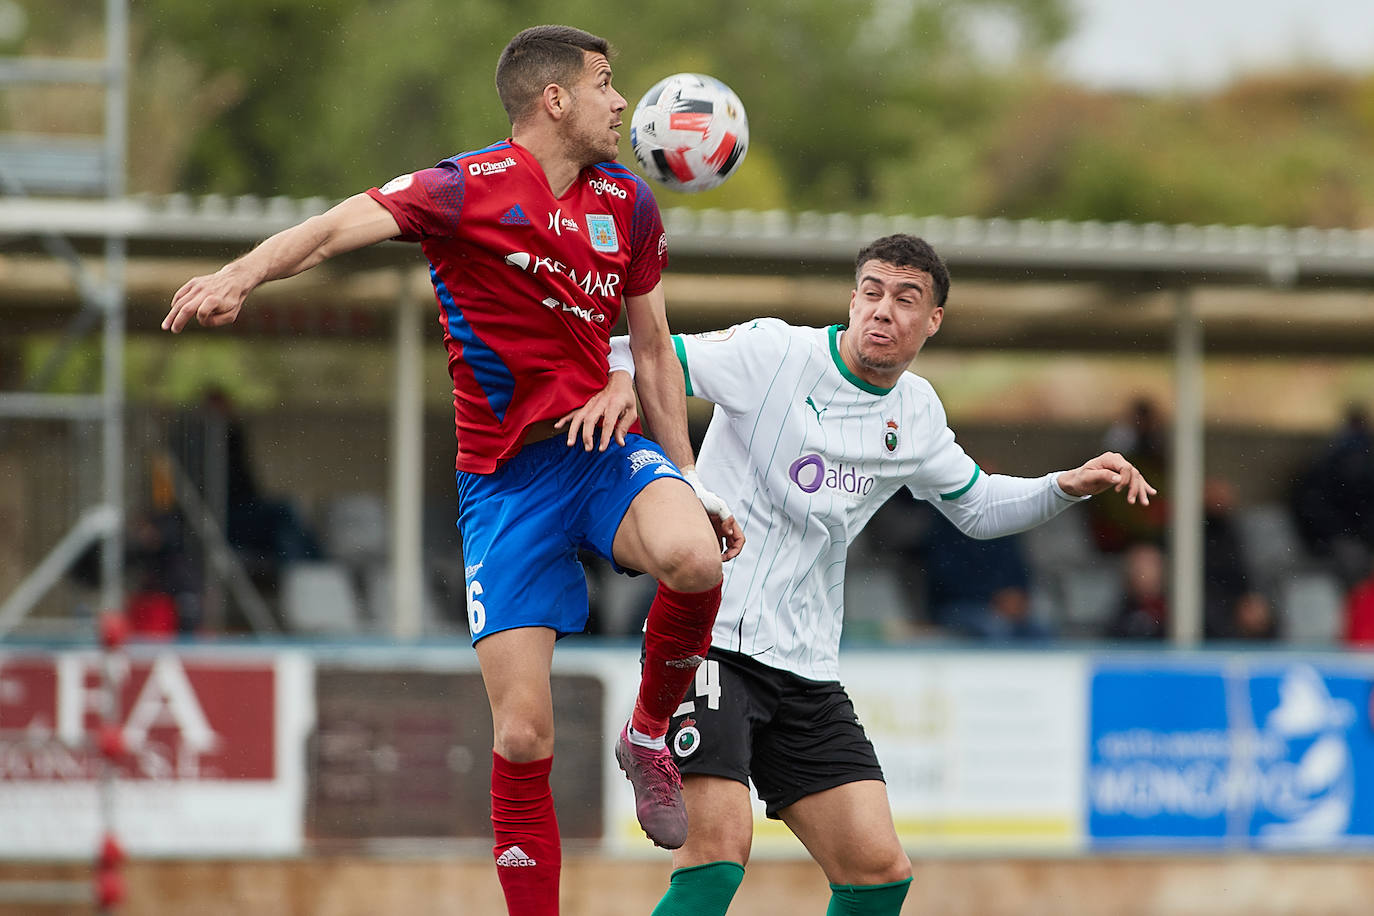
(981, 751)
(214, 762)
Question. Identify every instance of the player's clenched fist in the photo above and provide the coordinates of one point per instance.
(212, 300)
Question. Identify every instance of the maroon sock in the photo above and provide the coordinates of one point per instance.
(527, 850)
(675, 640)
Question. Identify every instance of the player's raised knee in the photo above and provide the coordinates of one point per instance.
(689, 565)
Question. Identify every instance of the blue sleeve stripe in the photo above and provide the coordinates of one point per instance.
(616, 169)
(493, 377)
(499, 145)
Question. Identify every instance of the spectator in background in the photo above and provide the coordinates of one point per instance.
(1140, 438)
(210, 445)
(1359, 613)
(1232, 607)
(164, 579)
(1332, 499)
(1144, 609)
(1252, 617)
(978, 588)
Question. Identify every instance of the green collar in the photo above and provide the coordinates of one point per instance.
(850, 377)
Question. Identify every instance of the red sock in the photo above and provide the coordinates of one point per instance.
(528, 853)
(675, 640)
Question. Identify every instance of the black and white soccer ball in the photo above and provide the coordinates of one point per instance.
(689, 132)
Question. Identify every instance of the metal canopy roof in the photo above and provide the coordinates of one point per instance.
(1017, 284)
(1012, 249)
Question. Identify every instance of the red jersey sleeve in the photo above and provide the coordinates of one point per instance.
(648, 243)
(425, 204)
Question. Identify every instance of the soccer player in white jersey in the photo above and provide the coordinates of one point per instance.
(813, 430)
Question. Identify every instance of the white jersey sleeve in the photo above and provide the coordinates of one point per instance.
(728, 367)
(980, 505)
(945, 471)
(998, 505)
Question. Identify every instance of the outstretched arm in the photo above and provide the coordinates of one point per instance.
(997, 505)
(663, 398)
(215, 299)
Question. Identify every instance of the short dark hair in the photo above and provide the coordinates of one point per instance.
(538, 56)
(903, 250)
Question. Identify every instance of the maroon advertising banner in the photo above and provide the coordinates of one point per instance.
(210, 762)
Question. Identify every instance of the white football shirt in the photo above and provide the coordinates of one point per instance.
(804, 452)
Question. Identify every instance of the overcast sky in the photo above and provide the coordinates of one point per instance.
(1161, 44)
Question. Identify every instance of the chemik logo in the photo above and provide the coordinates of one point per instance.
(491, 168)
(810, 473)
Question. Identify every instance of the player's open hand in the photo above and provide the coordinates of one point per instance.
(729, 534)
(612, 409)
(1108, 471)
(213, 300)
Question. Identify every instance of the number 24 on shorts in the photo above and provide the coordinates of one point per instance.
(707, 685)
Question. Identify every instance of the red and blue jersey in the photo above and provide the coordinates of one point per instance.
(529, 285)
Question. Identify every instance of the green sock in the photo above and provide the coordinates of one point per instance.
(701, 890)
(867, 899)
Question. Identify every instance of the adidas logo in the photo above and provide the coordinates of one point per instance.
(515, 217)
(515, 858)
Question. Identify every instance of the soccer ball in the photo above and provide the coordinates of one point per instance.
(689, 132)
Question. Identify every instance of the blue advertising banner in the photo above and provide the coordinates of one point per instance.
(1233, 752)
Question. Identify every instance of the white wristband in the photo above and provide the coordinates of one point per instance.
(621, 359)
(713, 503)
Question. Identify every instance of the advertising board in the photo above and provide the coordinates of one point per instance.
(1235, 752)
(213, 766)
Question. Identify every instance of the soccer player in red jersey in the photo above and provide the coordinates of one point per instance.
(535, 244)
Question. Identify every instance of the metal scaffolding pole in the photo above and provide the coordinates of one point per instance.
(1188, 464)
(24, 167)
(407, 477)
(116, 130)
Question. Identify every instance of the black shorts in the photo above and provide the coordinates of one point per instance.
(792, 736)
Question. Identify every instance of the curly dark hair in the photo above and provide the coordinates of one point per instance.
(903, 250)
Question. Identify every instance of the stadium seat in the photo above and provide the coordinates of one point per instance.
(377, 592)
(1063, 542)
(1269, 543)
(355, 529)
(1312, 606)
(1089, 597)
(318, 599)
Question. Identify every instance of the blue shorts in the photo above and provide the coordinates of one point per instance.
(523, 524)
